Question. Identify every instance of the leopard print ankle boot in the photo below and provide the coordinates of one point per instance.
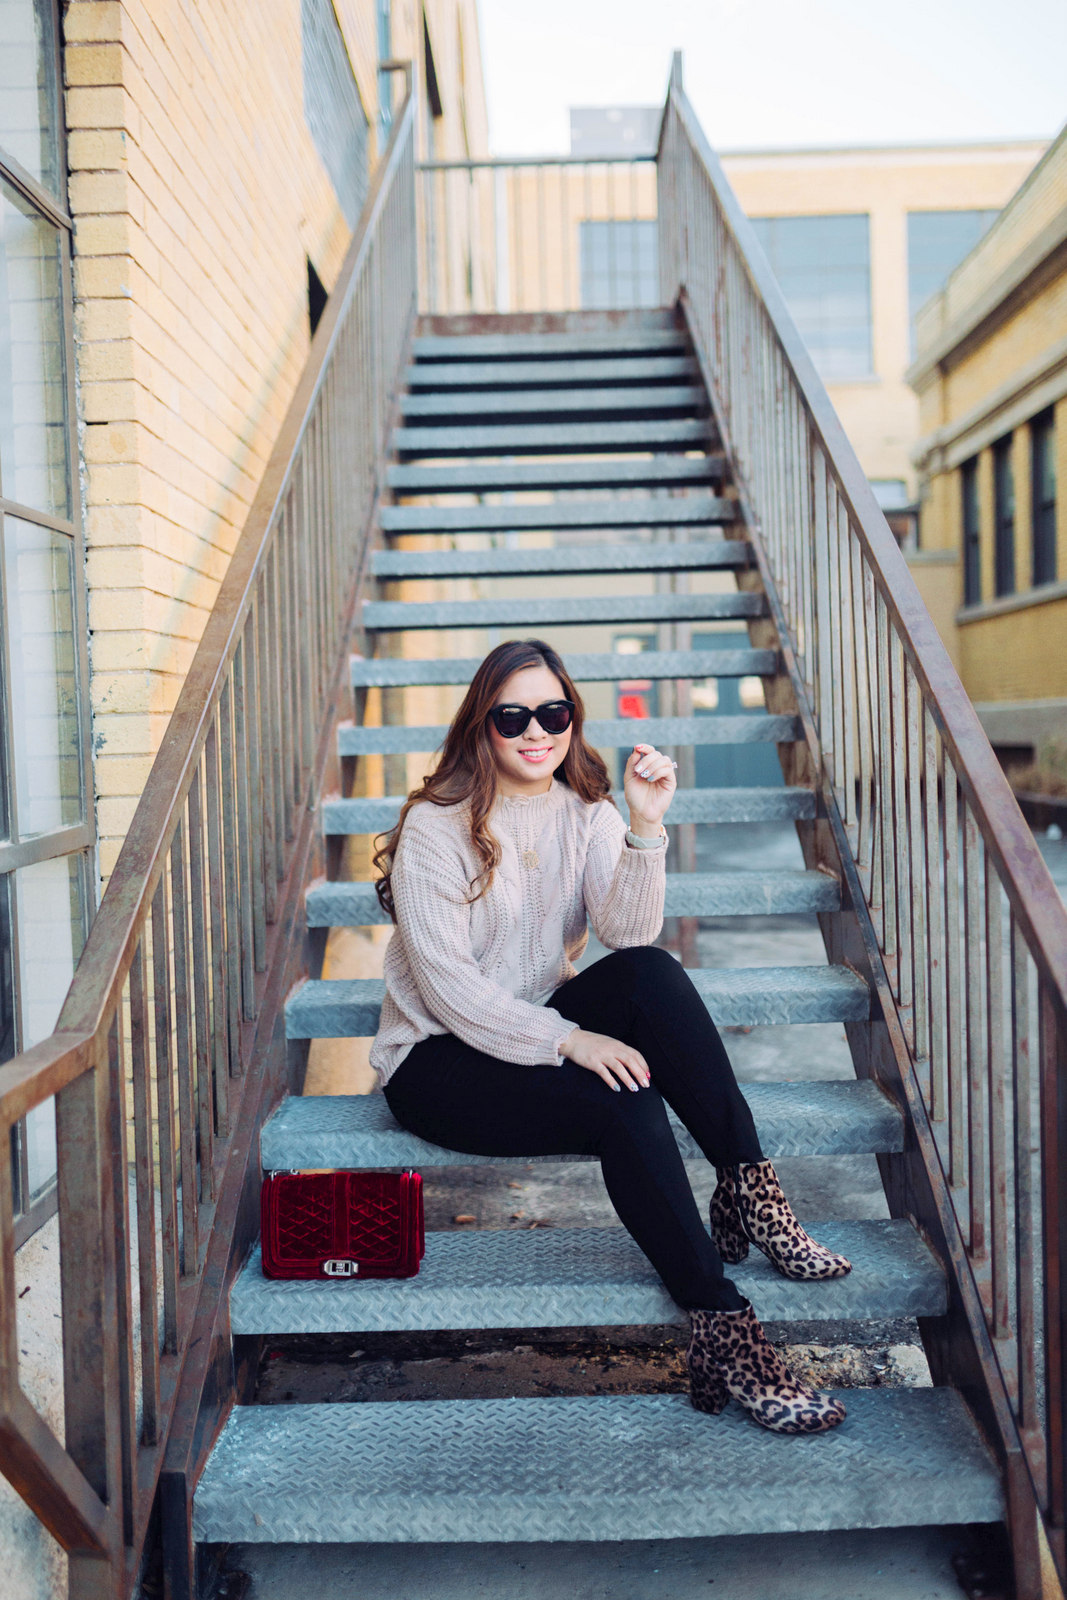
(751, 1372)
(726, 1230)
(763, 1215)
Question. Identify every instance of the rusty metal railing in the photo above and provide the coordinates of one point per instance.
(532, 234)
(170, 1029)
(957, 921)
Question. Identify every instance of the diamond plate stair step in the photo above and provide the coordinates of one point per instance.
(551, 374)
(594, 558)
(737, 997)
(835, 1118)
(617, 732)
(601, 667)
(689, 894)
(597, 1467)
(598, 514)
(391, 616)
(569, 346)
(552, 438)
(493, 405)
(587, 1278)
(480, 477)
(688, 805)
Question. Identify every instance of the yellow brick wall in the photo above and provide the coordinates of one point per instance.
(197, 191)
(1023, 337)
(1020, 653)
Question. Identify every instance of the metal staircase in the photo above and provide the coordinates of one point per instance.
(546, 1469)
(690, 454)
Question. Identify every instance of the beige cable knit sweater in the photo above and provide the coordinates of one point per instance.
(484, 971)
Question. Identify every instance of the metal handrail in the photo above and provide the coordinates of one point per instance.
(504, 234)
(164, 1023)
(960, 926)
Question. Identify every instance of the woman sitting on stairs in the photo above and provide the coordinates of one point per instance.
(491, 1044)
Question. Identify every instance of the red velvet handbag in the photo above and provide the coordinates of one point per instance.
(342, 1224)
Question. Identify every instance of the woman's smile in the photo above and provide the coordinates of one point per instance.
(537, 754)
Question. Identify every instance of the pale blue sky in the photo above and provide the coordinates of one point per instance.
(771, 73)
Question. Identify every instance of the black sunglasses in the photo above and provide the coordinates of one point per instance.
(554, 716)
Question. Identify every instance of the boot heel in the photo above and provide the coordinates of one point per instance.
(710, 1394)
(707, 1384)
(727, 1229)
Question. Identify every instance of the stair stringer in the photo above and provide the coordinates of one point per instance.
(220, 1372)
(958, 1345)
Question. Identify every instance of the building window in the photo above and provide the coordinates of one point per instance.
(937, 243)
(972, 544)
(46, 831)
(619, 264)
(1003, 518)
(384, 17)
(333, 109)
(1043, 496)
(823, 265)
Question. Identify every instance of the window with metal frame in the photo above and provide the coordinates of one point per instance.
(1003, 517)
(1043, 497)
(47, 882)
(937, 243)
(333, 109)
(823, 265)
(972, 542)
(619, 264)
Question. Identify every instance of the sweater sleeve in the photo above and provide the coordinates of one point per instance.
(430, 893)
(623, 888)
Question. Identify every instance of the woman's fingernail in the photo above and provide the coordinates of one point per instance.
(617, 1087)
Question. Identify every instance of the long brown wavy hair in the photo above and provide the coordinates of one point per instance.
(467, 767)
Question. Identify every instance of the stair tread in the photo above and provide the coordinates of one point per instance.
(586, 1467)
(493, 404)
(569, 611)
(530, 374)
(530, 346)
(586, 1277)
(620, 732)
(593, 558)
(836, 1117)
(598, 514)
(689, 894)
(562, 438)
(470, 477)
(688, 805)
(607, 666)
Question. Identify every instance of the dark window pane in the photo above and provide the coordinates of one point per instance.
(972, 548)
(937, 243)
(619, 264)
(1043, 496)
(41, 657)
(1004, 512)
(823, 265)
(332, 108)
(383, 9)
(29, 119)
(7, 974)
(33, 419)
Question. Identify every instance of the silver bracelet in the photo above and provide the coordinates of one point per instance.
(637, 843)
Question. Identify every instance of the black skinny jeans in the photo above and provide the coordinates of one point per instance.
(453, 1095)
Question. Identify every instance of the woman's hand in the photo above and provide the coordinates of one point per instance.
(609, 1058)
(648, 784)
